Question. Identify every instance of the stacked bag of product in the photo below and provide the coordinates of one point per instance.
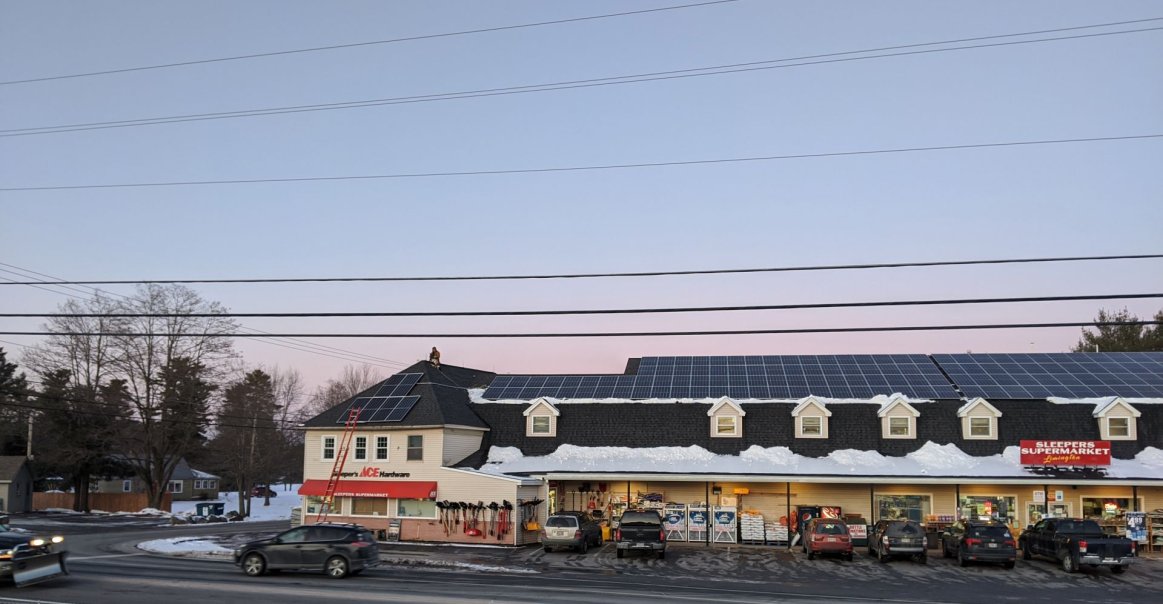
(751, 525)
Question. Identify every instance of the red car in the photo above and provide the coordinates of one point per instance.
(827, 536)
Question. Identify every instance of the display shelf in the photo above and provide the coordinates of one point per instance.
(1155, 531)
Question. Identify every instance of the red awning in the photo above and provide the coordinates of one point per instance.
(406, 489)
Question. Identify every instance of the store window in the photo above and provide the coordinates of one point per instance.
(360, 452)
(314, 505)
(369, 506)
(415, 447)
(381, 448)
(415, 508)
(541, 425)
(899, 426)
(328, 447)
(725, 426)
(1106, 508)
(1003, 508)
(980, 427)
(811, 426)
(903, 507)
(1118, 426)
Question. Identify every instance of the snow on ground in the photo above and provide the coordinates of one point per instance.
(279, 509)
(187, 547)
(931, 460)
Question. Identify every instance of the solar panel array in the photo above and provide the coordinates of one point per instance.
(1068, 375)
(389, 403)
(743, 377)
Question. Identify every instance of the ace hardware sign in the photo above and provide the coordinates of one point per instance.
(1066, 453)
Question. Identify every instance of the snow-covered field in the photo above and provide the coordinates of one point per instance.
(279, 509)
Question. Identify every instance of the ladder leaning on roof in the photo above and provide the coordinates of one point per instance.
(337, 469)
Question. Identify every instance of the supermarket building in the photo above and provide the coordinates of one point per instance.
(727, 440)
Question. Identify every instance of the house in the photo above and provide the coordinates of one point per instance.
(15, 484)
(185, 484)
(927, 437)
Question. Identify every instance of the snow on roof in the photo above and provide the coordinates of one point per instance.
(931, 460)
(963, 410)
(1104, 403)
(201, 474)
(476, 395)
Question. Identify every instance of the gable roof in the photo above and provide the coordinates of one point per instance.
(1103, 409)
(967, 407)
(897, 402)
(542, 402)
(443, 401)
(10, 466)
(811, 401)
(726, 402)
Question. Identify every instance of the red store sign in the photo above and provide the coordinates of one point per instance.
(1066, 452)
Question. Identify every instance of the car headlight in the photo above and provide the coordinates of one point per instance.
(5, 554)
(58, 539)
(38, 542)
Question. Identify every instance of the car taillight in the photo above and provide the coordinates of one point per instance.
(817, 537)
(618, 535)
(577, 534)
(360, 544)
(544, 534)
(661, 535)
(1082, 545)
(971, 542)
(1011, 543)
(844, 537)
(884, 539)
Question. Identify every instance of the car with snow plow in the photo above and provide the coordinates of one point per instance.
(27, 558)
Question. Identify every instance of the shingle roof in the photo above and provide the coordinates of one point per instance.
(443, 399)
(851, 426)
(10, 465)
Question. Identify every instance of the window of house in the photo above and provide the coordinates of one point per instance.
(725, 425)
(1118, 426)
(126, 486)
(175, 486)
(541, 424)
(360, 448)
(906, 507)
(381, 448)
(980, 426)
(898, 426)
(369, 506)
(415, 508)
(314, 504)
(415, 447)
(811, 426)
(328, 447)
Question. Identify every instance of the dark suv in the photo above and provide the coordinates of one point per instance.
(640, 530)
(336, 549)
(979, 541)
(898, 539)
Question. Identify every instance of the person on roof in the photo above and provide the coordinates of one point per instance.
(434, 357)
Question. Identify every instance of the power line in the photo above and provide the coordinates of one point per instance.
(623, 334)
(593, 167)
(603, 311)
(563, 85)
(361, 44)
(280, 424)
(725, 271)
(308, 347)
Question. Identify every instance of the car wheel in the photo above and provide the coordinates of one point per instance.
(945, 550)
(584, 547)
(1068, 564)
(662, 555)
(547, 548)
(254, 565)
(923, 559)
(881, 557)
(1026, 555)
(1008, 565)
(811, 555)
(961, 558)
(1118, 570)
(336, 567)
(848, 557)
(621, 552)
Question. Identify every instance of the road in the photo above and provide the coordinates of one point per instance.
(107, 569)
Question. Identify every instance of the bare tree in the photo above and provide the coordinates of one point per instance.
(88, 359)
(353, 380)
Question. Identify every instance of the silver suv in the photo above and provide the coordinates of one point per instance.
(575, 530)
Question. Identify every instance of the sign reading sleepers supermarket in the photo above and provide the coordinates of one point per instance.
(1066, 452)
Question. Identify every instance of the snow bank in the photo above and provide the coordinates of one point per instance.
(191, 546)
(931, 460)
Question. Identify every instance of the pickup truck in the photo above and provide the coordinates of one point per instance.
(1075, 542)
(640, 530)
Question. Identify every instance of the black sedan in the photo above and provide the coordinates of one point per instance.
(336, 549)
(980, 541)
(27, 558)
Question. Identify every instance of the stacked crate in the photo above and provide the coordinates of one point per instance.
(751, 526)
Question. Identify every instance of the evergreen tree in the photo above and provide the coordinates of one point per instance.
(248, 446)
(14, 411)
(1122, 334)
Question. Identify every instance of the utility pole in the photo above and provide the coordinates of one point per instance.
(28, 450)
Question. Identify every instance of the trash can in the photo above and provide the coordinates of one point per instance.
(208, 508)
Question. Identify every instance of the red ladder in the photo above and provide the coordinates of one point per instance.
(337, 469)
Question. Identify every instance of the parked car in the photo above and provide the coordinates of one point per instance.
(336, 549)
(898, 539)
(640, 530)
(827, 536)
(575, 530)
(979, 541)
(27, 558)
(262, 490)
(1074, 542)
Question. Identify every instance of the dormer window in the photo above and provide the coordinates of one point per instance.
(541, 418)
(978, 420)
(898, 419)
(1117, 420)
(726, 419)
(811, 419)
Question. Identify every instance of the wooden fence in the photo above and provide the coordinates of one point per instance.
(107, 502)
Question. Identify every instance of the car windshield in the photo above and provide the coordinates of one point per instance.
(831, 528)
(640, 518)
(561, 521)
(995, 532)
(1081, 527)
(903, 528)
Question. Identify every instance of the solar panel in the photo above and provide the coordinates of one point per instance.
(388, 403)
(744, 377)
(1068, 375)
(398, 385)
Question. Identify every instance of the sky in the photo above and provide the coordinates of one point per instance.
(1098, 198)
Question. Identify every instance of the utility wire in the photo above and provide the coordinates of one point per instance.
(620, 334)
(280, 424)
(551, 86)
(360, 44)
(725, 271)
(603, 311)
(695, 162)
